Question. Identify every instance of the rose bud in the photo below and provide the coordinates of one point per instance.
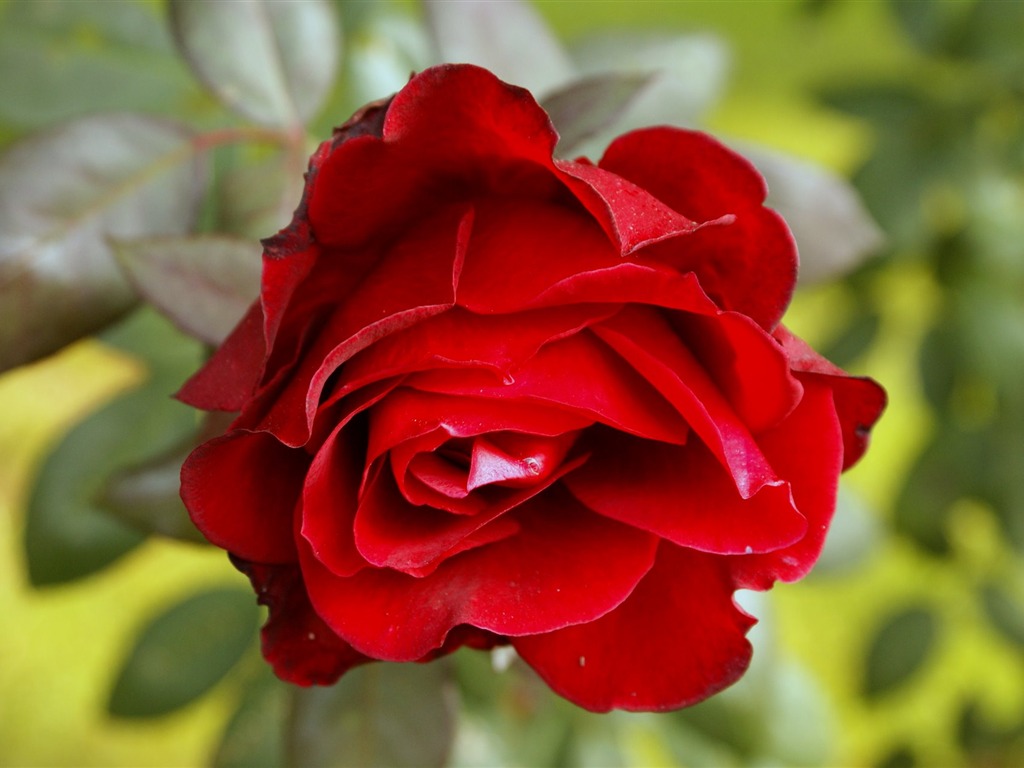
(488, 397)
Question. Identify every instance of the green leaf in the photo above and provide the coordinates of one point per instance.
(507, 37)
(585, 107)
(688, 73)
(1004, 612)
(273, 62)
(381, 714)
(899, 649)
(63, 60)
(204, 283)
(63, 193)
(184, 652)
(147, 496)
(68, 534)
(254, 737)
(257, 199)
(833, 230)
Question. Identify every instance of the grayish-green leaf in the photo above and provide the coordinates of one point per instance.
(585, 107)
(853, 536)
(1005, 610)
(203, 284)
(257, 199)
(184, 652)
(272, 60)
(63, 193)
(834, 231)
(507, 37)
(381, 714)
(147, 496)
(62, 59)
(688, 74)
(254, 737)
(68, 534)
(899, 649)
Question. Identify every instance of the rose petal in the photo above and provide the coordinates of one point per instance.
(231, 375)
(745, 363)
(859, 401)
(807, 450)
(409, 413)
(240, 490)
(675, 373)
(299, 646)
(565, 566)
(682, 494)
(413, 281)
(452, 132)
(459, 338)
(676, 640)
(748, 266)
(579, 374)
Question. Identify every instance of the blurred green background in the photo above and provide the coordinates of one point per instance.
(906, 646)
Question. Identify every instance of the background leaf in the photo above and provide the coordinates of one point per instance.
(203, 284)
(68, 534)
(834, 232)
(507, 37)
(376, 715)
(184, 652)
(582, 109)
(899, 649)
(62, 60)
(254, 736)
(63, 193)
(273, 62)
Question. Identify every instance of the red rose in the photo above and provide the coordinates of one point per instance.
(488, 397)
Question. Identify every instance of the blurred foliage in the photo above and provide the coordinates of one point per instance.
(904, 648)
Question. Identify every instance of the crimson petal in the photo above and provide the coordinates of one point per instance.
(682, 494)
(748, 266)
(565, 566)
(676, 640)
(240, 490)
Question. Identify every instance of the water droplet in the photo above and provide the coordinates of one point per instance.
(749, 550)
(311, 635)
(583, 661)
(533, 465)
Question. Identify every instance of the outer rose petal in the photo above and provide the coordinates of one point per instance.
(806, 449)
(676, 640)
(859, 400)
(300, 647)
(750, 265)
(565, 566)
(682, 494)
(240, 490)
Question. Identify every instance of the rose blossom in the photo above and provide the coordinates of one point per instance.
(487, 397)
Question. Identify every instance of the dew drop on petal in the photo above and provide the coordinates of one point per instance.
(583, 661)
(749, 550)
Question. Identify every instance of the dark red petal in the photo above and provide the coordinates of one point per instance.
(746, 364)
(241, 489)
(412, 282)
(749, 265)
(649, 344)
(859, 400)
(630, 216)
(565, 566)
(806, 449)
(329, 502)
(682, 493)
(459, 338)
(453, 131)
(579, 374)
(408, 413)
(230, 377)
(392, 533)
(678, 639)
(299, 646)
